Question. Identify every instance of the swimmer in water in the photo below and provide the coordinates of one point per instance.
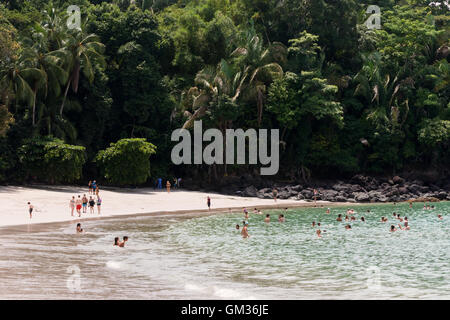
(237, 227)
(368, 211)
(318, 232)
(122, 244)
(348, 227)
(339, 218)
(267, 219)
(116, 241)
(79, 229)
(353, 218)
(346, 218)
(328, 211)
(399, 218)
(244, 231)
(363, 219)
(260, 212)
(393, 228)
(313, 224)
(245, 213)
(281, 218)
(440, 217)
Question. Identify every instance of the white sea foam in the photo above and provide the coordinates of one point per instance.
(115, 265)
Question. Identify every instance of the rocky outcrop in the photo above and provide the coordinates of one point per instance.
(359, 188)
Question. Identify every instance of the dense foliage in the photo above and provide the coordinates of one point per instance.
(126, 161)
(347, 99)
(51, 160)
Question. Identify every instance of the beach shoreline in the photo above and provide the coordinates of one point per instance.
(52, 204)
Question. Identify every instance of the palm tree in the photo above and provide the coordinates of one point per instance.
(80, 52)
(14, 84)
(52, 76)
(263, 65)
(212, 83)
(382, 94)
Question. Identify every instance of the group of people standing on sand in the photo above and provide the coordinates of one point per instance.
(81, 204)
(176, 184)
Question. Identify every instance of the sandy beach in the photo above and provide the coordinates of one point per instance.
(51, 203)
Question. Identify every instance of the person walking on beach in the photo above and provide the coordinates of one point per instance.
(72, 205)
(168, 186)
(78, 203)
(175, 183)
(91, 205)
(208, 202)
(94, 186)
(90, 186)
(179, 183)
(85, 203)
(99, 204)
(315, 198)
(30, 209)
(159, 183)
(275, 194)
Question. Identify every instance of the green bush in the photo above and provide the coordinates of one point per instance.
(126, 161)
(51, 160)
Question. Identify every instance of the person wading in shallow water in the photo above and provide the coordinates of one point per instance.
(244, 231)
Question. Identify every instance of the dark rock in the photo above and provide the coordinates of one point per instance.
(442, 195)
(361, 196)
(328, 195)
(403, 190)
(250, 191)
(398, 180)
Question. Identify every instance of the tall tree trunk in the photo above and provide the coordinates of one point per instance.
(34, 108)
(65, 96)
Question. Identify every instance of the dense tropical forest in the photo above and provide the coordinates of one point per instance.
(103, 99)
